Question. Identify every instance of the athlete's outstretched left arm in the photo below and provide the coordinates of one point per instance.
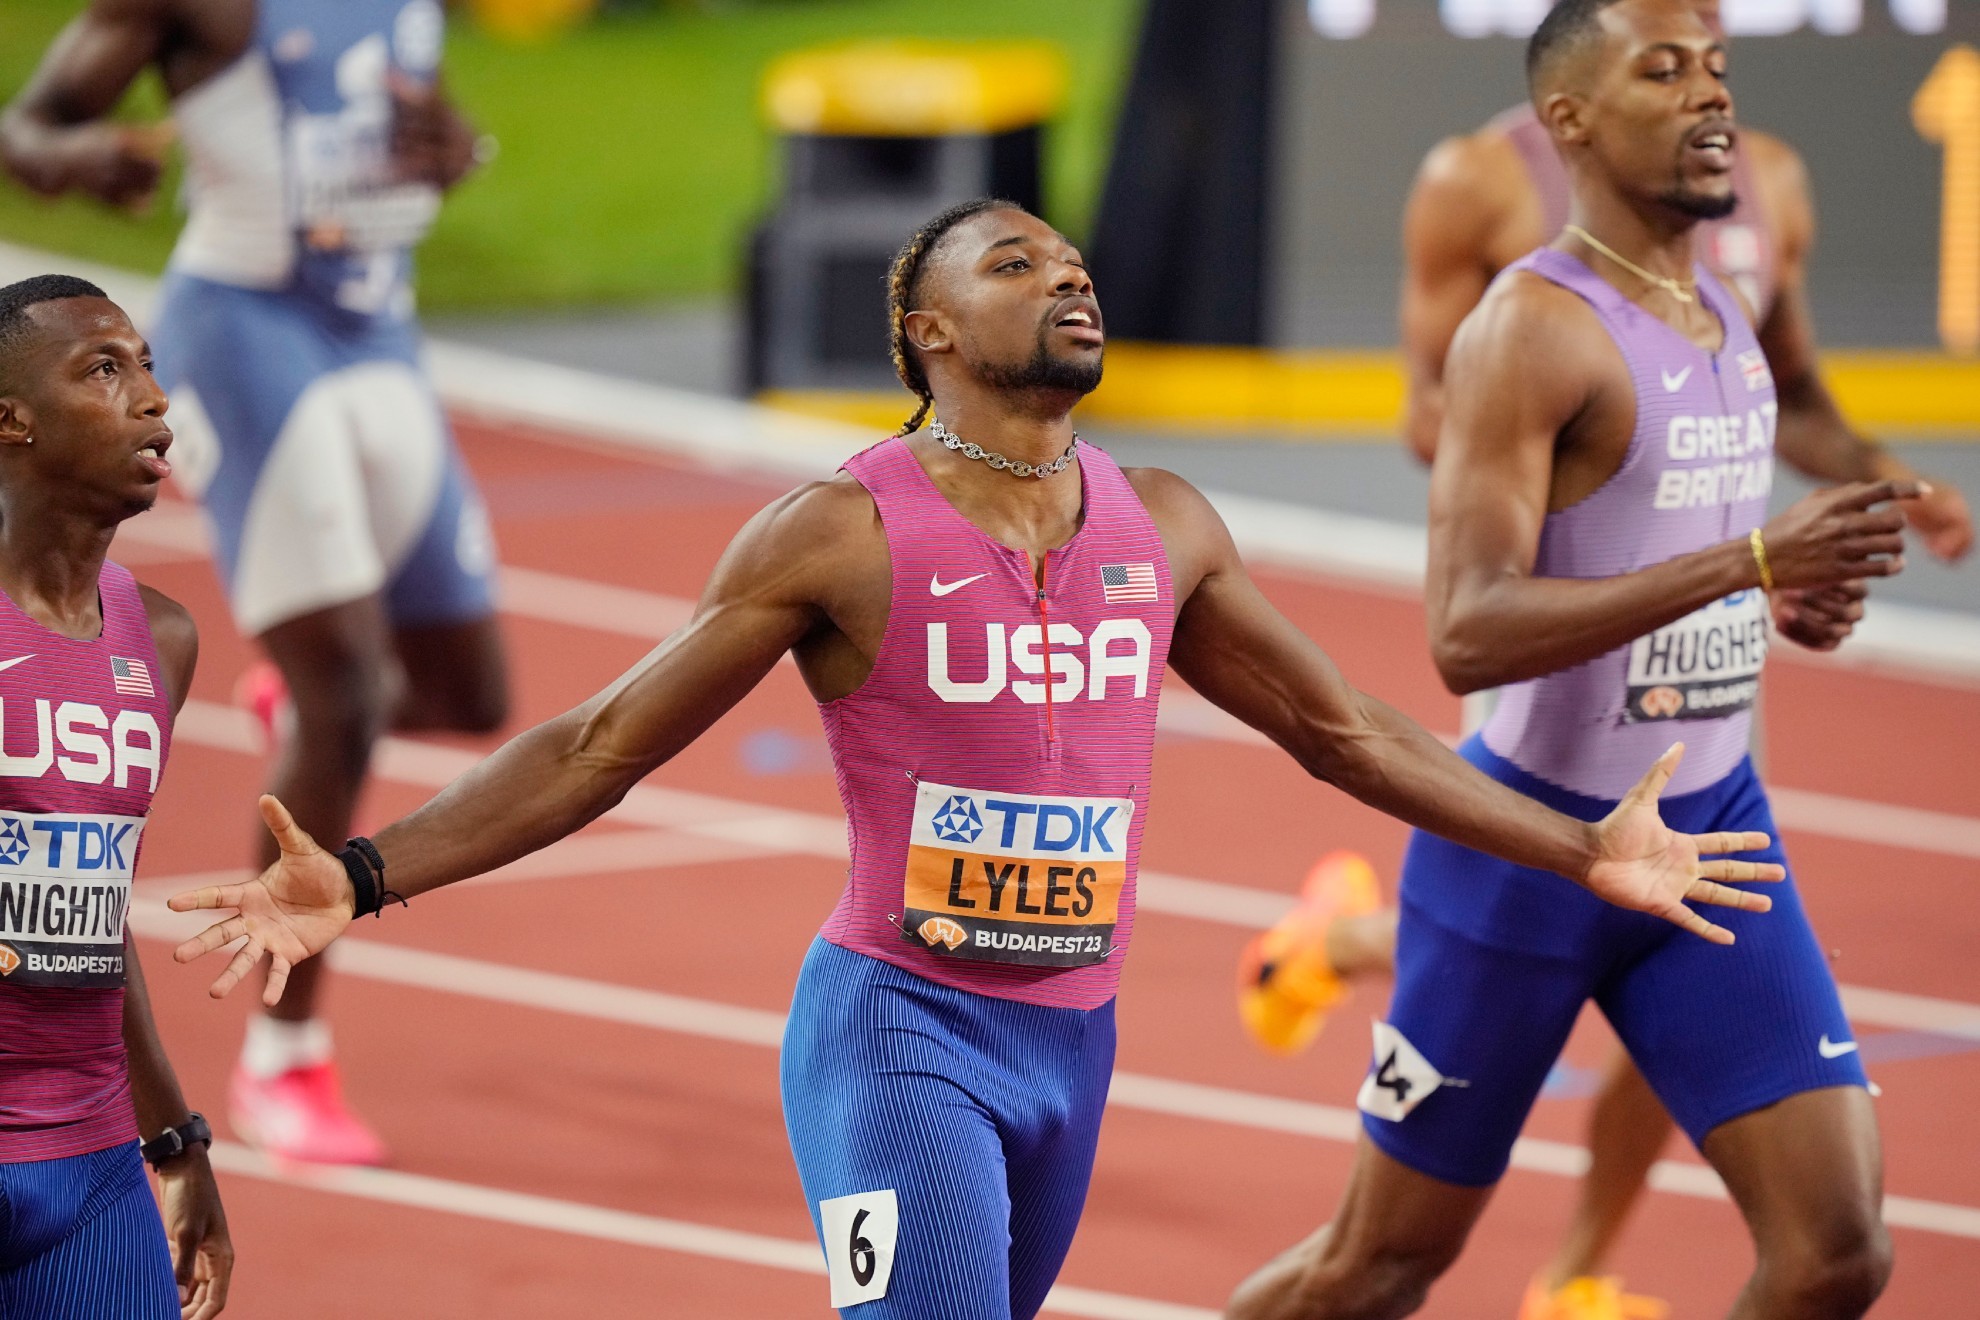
(1234, 648)
(189, 1198)
(1813, 435)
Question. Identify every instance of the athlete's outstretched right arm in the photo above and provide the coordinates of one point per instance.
(787, 576)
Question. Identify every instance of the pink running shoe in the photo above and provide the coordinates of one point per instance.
(301, 1115)
(261, 692)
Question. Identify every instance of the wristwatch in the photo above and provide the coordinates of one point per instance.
(195, 1131)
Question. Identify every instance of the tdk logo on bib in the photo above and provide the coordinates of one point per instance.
(957, 821)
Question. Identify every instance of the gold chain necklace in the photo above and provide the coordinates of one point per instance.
(1682, 290)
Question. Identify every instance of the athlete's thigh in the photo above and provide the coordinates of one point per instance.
(1806, 1172)
(111, 1260)
(428, 521)
(1050, 1174)
(1472, 1031)
(261, 407)
(1721, 1031)
(903, 1170)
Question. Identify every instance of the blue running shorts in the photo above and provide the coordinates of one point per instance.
(1494, 961)
(80, 1239)
(321, 455)
(945, 1139)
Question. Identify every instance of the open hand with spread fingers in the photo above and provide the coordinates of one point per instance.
(1643, 864)
(289, 912)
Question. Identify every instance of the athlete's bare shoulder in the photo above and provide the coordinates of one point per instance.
(176, 636)
(1193, 533)
(1787, 201)
(810, 547)
(1471, 197)
(1530, 340)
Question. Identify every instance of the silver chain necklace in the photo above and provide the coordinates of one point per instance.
(1016, 467)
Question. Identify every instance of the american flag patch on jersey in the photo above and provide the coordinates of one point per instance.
(1124, 584)
(1753, 367)
(131, 677)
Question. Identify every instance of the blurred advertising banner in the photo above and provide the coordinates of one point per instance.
(1880, 97)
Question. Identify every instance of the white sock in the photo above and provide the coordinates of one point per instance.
(273, 1047)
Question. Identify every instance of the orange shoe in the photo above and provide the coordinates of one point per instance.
(1285, 984)
(1588, 1298)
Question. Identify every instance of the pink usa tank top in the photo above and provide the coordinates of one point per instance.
(994, 765)
(1740, 247)
(1697, 472)
(85, 727)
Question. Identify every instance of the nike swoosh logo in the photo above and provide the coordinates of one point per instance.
(1831, 1049)
(9, 664)
(937, 587)
(1672, 384)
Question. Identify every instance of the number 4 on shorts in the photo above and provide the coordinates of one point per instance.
(859, 1233)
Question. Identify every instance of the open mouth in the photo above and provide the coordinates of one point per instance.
(152, 455)
(1713, 144)
(1082, 323)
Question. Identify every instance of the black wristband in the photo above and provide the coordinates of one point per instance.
(365, 890)
(366, 869)
(175, 1141)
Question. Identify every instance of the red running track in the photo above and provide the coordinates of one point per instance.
(481, 1098)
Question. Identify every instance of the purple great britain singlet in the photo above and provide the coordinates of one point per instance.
(1697, 472)
(85, 727)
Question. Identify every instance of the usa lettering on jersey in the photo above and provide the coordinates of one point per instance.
(1113, 660)
(82, 743)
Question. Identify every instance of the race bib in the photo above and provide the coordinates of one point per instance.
(1703, 667)
(1004, 877)
(343, 195)
(65, 884)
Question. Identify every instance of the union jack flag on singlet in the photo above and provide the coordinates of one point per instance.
(84, 733)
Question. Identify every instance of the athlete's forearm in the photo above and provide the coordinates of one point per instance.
(1815, 440)
(155, 1093)
(1488, 634)
(1391, 763)
(541, 786)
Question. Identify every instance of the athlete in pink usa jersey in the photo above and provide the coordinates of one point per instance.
(93, 668)
(985, 611)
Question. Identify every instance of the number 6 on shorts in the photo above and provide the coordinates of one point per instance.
(859, 1232)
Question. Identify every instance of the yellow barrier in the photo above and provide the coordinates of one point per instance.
(915, 88)
(1353, 395)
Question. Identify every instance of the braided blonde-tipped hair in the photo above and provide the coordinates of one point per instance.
(902, 280)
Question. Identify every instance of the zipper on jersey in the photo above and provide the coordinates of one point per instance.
(1045, 646)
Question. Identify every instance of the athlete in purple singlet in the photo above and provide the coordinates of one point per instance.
(1479, 201)
(93, 667)
(1597, 550)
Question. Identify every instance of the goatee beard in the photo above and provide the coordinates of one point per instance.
(1043, 371)
(1700, 207)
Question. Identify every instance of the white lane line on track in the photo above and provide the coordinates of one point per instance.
(631, 1006)
(578, 1219)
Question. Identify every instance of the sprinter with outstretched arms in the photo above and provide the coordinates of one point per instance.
(985, 612)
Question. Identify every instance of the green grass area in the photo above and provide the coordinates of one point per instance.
(633, 156)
